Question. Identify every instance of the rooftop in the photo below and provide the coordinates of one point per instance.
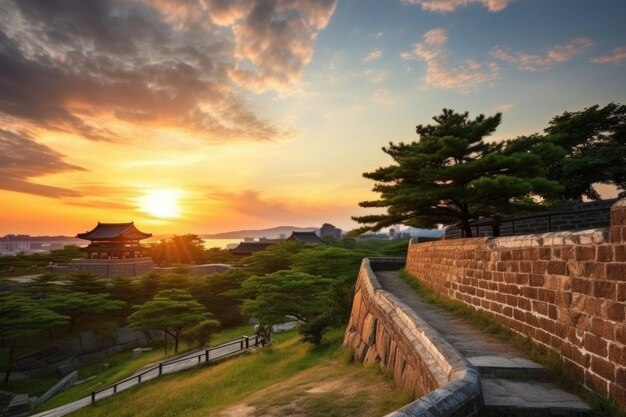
(108, 231)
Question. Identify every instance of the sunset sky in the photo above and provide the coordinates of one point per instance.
(212, 115)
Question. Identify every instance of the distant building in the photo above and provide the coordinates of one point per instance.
(310, 238)
(245, 249)
(329, 231)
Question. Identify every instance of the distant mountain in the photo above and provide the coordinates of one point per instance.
(271, 233)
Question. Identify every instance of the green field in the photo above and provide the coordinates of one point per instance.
(285, 379)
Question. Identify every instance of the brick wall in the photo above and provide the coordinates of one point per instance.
(110, 268)
(566, 290)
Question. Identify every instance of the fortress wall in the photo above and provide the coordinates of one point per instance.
(383, 330)
(566, 290)
(110, 268)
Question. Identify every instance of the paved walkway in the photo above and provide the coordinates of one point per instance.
(510, 381)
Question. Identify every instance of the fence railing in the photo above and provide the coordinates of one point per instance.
(548, 216)
(238, 345)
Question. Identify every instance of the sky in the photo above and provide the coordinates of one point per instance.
(202, 116)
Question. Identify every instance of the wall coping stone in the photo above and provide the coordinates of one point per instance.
(459, 381)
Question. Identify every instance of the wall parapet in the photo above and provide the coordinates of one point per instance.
(384, 330)
(565, 290)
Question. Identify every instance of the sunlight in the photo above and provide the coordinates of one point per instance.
(163, 203)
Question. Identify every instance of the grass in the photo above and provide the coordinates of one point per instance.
(547, 357)
(288, 377)
(114, 368)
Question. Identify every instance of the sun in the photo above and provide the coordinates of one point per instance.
(163, 203)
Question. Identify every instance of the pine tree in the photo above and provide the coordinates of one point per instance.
(171, 311)
(451, 175)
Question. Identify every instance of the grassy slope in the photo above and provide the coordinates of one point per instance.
(120, 366)
(288, 378)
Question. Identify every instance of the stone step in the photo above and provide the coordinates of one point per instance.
(506, 397)
(508, 367)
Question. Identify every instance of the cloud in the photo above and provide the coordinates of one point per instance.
(373, 55)
(533, 62)
(384, 97)
(274, 41)
(505, 107)
(616, 56)
(444, 6)
(376, 76)
(75, 66)
(440, 74)
(21, 159)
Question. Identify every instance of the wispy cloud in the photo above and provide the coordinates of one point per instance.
(373, 55)
(76, 67)
(440, 74)
(558, 54)
(22, 159)
(444, 6)
(384, 97)
(616, 56)
(376, 76)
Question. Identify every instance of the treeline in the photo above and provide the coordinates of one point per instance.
(312, 284)
(452, 175)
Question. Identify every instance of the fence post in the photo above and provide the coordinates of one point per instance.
(160, 369)
(247, 342)
(139, 379)
(206, 354)
(114, 388)
(93, 397)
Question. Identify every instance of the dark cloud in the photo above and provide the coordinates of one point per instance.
(21, 159)
(63, 63)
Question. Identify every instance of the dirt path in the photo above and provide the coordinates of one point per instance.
(331, 389)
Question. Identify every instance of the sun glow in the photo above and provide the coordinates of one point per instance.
(163, 203)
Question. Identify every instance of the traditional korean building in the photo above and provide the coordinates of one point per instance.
(114, 241)
(115, 251)
(310, 238)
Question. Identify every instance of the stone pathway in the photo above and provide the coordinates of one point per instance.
(512, 384)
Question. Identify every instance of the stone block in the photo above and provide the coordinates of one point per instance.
(369, 330)
(88, 341)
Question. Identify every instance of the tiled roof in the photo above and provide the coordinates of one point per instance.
(306, 237)
(114, 231)
(250, 247)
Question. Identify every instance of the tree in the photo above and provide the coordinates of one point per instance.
(451, 175)
(287, 295)
(275, 258)
(86, 282)
(200, 334)
(215, 293)
(170, 311)
(20, 319)
(186, 249)
(594, 140)
(79, 304)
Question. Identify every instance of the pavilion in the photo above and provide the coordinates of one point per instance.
(115, 241)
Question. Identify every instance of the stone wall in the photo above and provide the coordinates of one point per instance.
(566, 290)
(571, 216)
(110, 268)
(385, 331)
(70, 354)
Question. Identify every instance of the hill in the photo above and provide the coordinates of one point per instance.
(271, 233)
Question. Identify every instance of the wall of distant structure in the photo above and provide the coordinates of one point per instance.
(566, 290)
(572, 216)
(110, 268)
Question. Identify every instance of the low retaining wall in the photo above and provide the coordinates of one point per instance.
(384, 330)
(110, 268)
(566, 290)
